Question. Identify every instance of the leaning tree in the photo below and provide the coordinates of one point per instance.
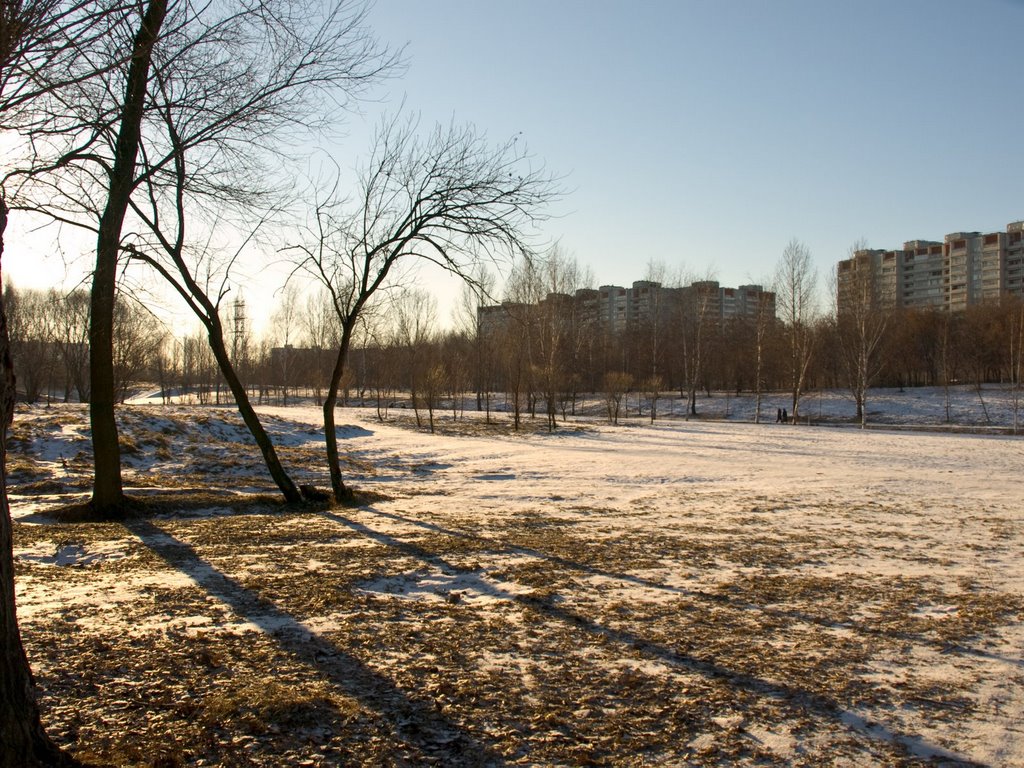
(224, 108)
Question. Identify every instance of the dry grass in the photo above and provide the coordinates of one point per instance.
(499, 425)
(256, 636)
(554, 676)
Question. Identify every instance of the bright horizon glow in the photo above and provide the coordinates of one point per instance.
(704, 136)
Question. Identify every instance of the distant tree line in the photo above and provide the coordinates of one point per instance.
(545, 360)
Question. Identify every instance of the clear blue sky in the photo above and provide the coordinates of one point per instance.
(706, 135)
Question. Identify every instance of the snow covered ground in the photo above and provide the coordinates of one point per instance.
(684, 593)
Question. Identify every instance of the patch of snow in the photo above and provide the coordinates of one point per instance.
(438, 586)
(73, 554)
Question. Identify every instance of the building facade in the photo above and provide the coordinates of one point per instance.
(965, 269)
(616, 309)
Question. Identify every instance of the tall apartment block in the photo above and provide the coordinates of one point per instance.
(966, 268)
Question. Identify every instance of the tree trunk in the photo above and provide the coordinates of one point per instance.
(291, 492)
(23, 742)
(108, 495)
(341, 492)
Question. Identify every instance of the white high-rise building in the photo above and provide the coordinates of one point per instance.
(967, 268)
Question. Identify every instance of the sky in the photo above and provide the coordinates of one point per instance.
(705, 136)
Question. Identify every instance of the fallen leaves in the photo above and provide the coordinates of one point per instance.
(266, 636)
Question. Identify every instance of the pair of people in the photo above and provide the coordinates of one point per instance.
(782, 416)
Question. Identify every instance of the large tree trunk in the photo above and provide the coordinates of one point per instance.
(23, 742)
(108, 495)
(252, 421)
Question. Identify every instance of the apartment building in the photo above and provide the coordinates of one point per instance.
(1015, 258)
(616, 308)
(922, 275)
(497, 317)
(860, 273)
(966, 268)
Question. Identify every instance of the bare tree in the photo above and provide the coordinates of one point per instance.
(1016, 357)
(983, 327)
(695, 325)
(207, 98)
(657, 300)
(40, 40)
(71, 336)
(30, 315)
(108, 492)
(456, 351)
(226, 88)
(860, 324)
(23, 742)
(513, 338)
(76, 35)
(435, 381)
(285, 322)
(483, 355)
(514, 334)
(616, 385)
(559, 330)
(763, 320)
(197, 369)
(545, 290)
(138, 339)
(949, 357)
(450, 199)
(163, 369)
(321, 332)
(795, 280)
(383, 365)
(415, 320)
(653, 387)
(206, 307)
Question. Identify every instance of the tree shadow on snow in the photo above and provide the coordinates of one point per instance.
(815, 704)
(733, 602)
(426, 735)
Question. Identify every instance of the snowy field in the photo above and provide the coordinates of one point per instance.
(688, 593)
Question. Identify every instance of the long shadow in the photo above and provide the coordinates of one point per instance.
(720, 599)
(419, 727)
(813, 703)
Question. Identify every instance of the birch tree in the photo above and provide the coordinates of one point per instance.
(795, 280)
(1016, 358)
(695, 325)
(763, 320)
(860, 325)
